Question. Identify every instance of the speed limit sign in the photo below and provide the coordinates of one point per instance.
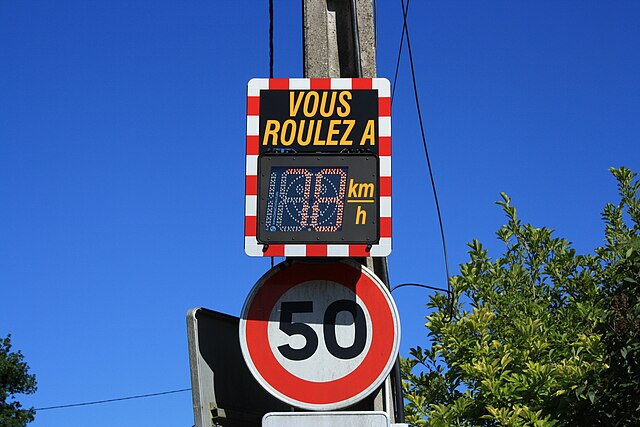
(320, 336)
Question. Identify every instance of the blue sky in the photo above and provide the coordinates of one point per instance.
(122, 166)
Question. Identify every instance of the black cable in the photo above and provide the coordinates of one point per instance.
(304, 39)
(141, 396)
(426, 152)
(375, 26)
(397, 389)
(395, 75)
(270, 39)
(418, 285)
(356, 39)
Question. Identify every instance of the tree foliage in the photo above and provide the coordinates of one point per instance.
(14, 379)
(616, 390)
(540, 336)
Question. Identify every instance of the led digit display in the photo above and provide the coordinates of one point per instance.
(317, 199)
(306, 199)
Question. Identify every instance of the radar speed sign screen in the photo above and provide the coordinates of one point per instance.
(318, 167)
(306, 199)
(320, 336)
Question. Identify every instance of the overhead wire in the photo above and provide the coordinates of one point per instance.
(271, 57)
(118, 399)
(270, 39)
(143, 396)
(405, 31)
(375, 25)
(395, 74)
(419, 285)
(356, 39)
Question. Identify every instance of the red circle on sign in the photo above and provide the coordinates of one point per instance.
(315, 394)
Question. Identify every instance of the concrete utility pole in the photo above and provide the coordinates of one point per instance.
(339, 41)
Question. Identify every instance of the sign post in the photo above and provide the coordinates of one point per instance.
(316, 335)
(320, 336)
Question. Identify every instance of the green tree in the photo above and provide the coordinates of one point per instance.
(14, 379)
(616, 391)
(540, 336)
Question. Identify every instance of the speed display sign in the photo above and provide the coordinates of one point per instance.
(318, 167)
(320, 336)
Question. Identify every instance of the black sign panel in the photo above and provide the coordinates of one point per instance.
(313, 121)
(318, 199)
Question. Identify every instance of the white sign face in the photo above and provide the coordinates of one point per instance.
(334, 304)
(320, 336)
(325, 419)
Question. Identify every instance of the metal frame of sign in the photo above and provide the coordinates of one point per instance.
(262, 317)
(382, 247)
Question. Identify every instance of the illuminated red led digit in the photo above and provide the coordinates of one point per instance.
(306, 192)
(337, 200)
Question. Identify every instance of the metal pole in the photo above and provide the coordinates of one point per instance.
(339, 41)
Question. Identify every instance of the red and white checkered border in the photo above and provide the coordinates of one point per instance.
(251, 245)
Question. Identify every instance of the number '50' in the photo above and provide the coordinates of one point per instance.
(329, 330)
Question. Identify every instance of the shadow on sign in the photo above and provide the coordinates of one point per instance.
(224, 391)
